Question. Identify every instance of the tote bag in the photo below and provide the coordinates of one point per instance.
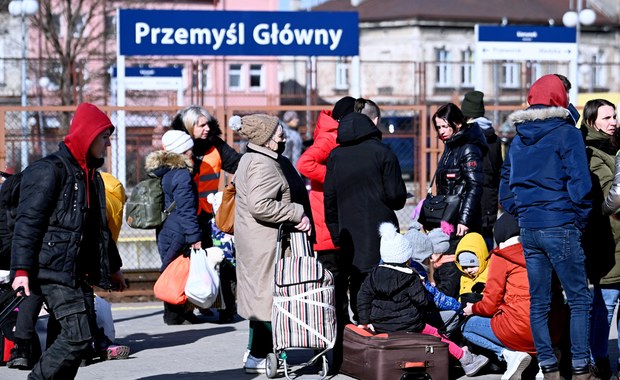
(203, 282)
(225, 215)
(170, 286)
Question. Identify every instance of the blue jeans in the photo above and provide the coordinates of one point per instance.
(603, 305)
(557, 249)
(478, 331)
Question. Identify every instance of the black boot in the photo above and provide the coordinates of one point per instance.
(21, 355)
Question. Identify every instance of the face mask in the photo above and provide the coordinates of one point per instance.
(281, 147)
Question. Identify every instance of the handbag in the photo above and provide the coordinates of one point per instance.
(170, 286)
(203, 282)
(225, 215)
(436, 208)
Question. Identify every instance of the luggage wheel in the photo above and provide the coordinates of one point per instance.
(271, 367)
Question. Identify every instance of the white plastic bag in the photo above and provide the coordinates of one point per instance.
(103, 312)
(203, 282)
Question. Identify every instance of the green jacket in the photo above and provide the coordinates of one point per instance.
(601, 239)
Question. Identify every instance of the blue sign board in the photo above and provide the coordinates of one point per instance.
(513, 33)
(151, 72)
(191, 32)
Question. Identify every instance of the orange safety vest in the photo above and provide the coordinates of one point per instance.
(208, 178)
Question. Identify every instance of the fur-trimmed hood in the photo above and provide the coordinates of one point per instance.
(536, 122)
(166, 160)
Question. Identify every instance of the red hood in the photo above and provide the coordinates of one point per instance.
(548, 91)
(88, 122)
(325, 123)
(512, 253)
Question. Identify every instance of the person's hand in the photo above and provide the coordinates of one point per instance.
(197, 245)
(461, 230)
(304, 225)
(22, 281)
(468, 309)
(118, 279)
(367, 327)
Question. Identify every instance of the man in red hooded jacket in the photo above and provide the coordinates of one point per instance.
(62, 244)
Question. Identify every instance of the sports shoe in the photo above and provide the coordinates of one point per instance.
(517, 362)
(255, 365)
(117, 352)
(472, 363)
(245, 356)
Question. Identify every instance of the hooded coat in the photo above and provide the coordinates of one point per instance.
(545, 177)
(460, 172)
(269, 192)
(363, 187)
(61, 233)
(180, 229)
(601, 238)
(506, 300)
(313, 165)
(473, 242)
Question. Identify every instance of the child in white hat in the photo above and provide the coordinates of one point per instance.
(392, 298)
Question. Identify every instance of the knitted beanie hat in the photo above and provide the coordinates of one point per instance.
(422, 245)
(394, 247)
(343, 107)
(177, 142)
(440, 240)
(468, 259)
(505, 227)
(473, 105)
(289, 116)
(257, 128)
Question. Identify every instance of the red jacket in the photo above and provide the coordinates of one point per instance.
(312, 164)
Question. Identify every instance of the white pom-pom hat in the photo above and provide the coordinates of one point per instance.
(394, 247)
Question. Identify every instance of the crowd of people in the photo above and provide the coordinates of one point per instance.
(498, 290)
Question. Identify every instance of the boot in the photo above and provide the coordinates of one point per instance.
(21, 356)
(472, 363)
(602, 369)
(551, 372)
(584, 373)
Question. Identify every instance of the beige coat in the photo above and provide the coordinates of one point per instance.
(262, 202)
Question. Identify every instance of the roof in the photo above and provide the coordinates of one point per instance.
(488, 11)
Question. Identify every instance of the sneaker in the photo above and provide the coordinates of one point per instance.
(117, 352)
(255, 365)
(245, 356)
(472, 363)
(517, 362)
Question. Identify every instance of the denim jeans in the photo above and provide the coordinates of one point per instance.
(62, 359)
(557, 249)
(477, 330)
(603, 304)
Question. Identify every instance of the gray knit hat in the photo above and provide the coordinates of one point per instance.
(440, 240)
(257, 128)
(422, 245)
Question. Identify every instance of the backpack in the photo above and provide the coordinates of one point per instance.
(145, 206)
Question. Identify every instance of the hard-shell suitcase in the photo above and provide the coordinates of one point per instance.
(394, 356)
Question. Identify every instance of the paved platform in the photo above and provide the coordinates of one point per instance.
(189, 352)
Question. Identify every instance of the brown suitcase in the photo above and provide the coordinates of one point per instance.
(394, 356)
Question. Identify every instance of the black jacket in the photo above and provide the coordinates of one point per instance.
(492, 167)
(393, 298)
(460, 172)
(363, 187)
(57, 238)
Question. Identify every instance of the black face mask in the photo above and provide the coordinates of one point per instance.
(281, 147)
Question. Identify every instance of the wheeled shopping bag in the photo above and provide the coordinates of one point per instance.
(393, 356)
(303, 315)
(9, 301)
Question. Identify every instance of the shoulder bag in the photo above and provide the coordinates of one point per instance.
(225, 215)
(436, 208)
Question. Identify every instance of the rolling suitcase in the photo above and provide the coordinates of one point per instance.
(395, 356)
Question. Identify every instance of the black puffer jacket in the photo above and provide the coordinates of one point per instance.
(492, 167)
(460, 172)
(393, 298)
(51, 225)
(363, 187)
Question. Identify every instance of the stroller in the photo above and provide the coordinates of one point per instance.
(303, 314)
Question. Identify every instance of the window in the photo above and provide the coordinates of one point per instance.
(467, 68)
(2, 78)
(256, 76)
(110, 26)
(342, 74)
(535, 71)
(205, 79)
(78, 26)
(598, 76)
(234, 77)
(56, 23)
(442, 70)
(510, 75)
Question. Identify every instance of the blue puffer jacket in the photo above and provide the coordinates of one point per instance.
(545, 178)
(180, 229)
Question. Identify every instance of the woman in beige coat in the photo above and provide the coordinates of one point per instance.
(269, 192)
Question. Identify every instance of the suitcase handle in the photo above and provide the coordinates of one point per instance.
(414, 365)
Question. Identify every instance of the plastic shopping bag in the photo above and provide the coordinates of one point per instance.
(203, 282)
(170, 285)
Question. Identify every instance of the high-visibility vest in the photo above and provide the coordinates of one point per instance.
(208, 178)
